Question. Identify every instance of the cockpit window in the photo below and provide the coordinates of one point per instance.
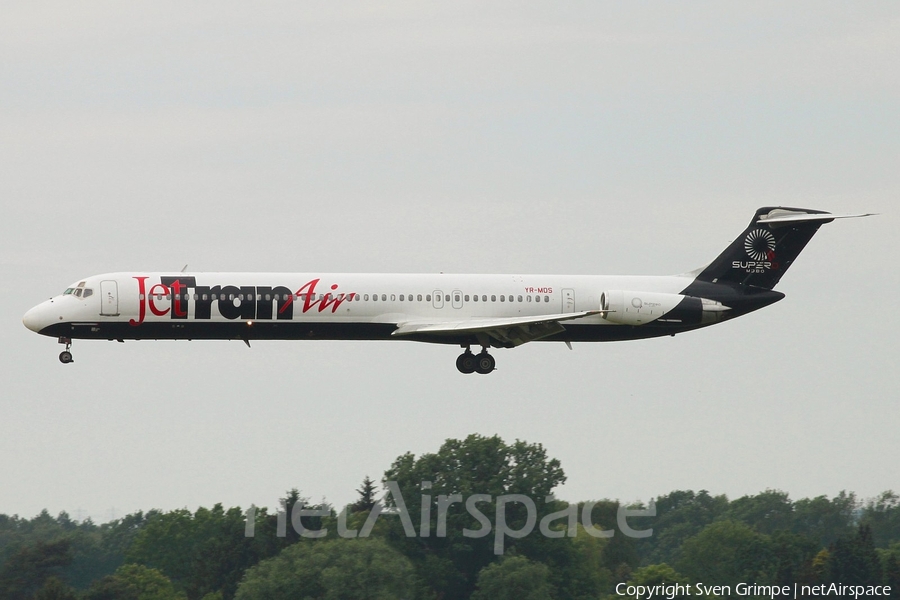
(78, 292)
(88, 292)
(68, 291)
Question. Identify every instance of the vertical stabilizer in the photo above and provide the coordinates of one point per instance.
(761, 255)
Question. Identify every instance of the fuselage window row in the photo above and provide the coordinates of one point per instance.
(350, 297)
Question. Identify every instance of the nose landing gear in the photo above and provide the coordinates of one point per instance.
(65, 357)
(483, 363)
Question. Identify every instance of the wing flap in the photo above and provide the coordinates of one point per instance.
(513, 331)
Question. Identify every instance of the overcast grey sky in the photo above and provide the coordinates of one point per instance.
(581, 137)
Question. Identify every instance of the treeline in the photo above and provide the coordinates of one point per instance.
(434, 531)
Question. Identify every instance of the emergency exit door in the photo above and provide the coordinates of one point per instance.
(568, 300)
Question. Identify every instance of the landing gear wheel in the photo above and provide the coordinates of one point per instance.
(65, 357)
(484, 363)
(466, 363)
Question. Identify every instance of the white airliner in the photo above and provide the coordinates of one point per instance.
(502, 311)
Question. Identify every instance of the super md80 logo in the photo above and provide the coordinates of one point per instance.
(760, 247)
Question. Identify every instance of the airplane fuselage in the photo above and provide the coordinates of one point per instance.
(341, 306)
(502, 311)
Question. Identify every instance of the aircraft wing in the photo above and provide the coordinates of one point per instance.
(513, 331)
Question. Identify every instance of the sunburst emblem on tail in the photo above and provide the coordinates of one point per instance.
(760, 244)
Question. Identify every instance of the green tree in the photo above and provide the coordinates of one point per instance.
(55, 589)
(882, 514)
(767, 512)
(679, 516)
(359, 569)
(476, 465)
(134, 582)
(892, 574)
(853, 560)
(661, 574)
(95, 551)
(25, 571)
(794, 555)
(825, 520)
(728, 553)
(367, 496)
(514, 578)
(206, 551)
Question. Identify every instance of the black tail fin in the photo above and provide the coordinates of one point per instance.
(767, 248)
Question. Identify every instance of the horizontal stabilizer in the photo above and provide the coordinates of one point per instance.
(787, 216)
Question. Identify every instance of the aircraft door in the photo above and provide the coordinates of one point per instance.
(437, 298)
(109, 298)
(568, 300)
(456, 296)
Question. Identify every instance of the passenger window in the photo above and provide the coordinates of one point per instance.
(419, 297)
(493, 298)
(466, 298)
(456, 297)
(428, 297)
(447, 298)
(546, 298)
(520, 298)
(393, 297)
(384, 297)
(527, 298)
(401, 297)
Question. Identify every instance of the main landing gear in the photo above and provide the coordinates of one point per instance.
(65, 357)
(482, 363)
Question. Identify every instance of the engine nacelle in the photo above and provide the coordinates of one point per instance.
(639, 308)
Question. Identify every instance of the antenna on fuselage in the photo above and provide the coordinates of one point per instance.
(184, 268)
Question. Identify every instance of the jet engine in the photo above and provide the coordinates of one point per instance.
(624, 307)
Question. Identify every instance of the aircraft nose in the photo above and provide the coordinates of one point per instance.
(32, 319)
